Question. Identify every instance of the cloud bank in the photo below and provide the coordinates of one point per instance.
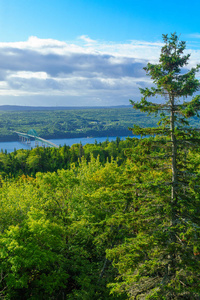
(84, 72)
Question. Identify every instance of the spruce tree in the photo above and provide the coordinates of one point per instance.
(162, 258)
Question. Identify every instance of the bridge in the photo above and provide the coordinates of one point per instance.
(26, 137)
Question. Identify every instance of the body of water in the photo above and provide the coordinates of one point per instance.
(10, 146)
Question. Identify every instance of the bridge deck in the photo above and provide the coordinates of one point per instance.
(26, 135)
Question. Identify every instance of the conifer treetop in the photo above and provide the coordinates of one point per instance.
(172, 81)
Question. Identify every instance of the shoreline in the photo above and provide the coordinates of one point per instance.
(11, 146)
(97, 134)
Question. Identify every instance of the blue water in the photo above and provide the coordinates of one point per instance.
(10, 146)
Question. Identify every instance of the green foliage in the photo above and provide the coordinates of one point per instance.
(70, 123)
(70, 234)
(32, 257)
(162, 260)
(55, 230)
(75, 123)
(40, 159)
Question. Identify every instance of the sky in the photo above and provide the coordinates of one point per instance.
(87, 52)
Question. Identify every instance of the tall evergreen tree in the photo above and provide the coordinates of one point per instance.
(162, 258)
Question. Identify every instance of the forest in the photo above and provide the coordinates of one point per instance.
(71, 123)
(112, 220)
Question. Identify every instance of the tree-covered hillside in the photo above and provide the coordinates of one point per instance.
(71, 123)
(69, 234)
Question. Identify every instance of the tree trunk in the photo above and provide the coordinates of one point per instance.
(173, 187)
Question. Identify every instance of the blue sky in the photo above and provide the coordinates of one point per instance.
(69, 53)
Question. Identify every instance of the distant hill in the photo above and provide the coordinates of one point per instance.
(32, 108)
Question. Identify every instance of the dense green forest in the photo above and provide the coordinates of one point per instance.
(56, 228)
(71, 123)
(93, 122)
(40, 159)
(117, 220)
(86, 219)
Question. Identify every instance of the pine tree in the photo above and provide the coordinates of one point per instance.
(162, 258)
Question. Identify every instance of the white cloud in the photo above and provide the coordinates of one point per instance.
(86, 39)
(194, 35)
(89, 71)
(29, 75)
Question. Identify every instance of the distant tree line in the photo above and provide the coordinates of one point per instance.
(51, 124)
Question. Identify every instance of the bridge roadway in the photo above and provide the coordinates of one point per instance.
(26, 135)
